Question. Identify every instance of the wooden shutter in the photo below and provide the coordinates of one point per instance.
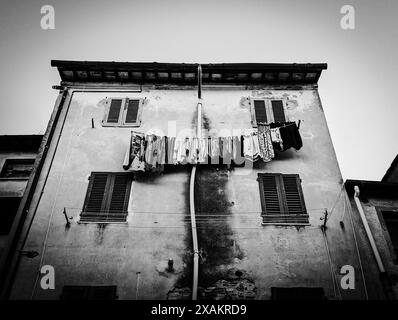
(114, 111)
(260, 111)
(75, 293)
(107, 197)
(270, 189)
(132, 109)
(96, 193)
(278, 110)
(89, 293)
(282, 199)
(102, 293)
(293, 194)
(119, 196)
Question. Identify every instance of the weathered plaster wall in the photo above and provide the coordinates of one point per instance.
(134, 255)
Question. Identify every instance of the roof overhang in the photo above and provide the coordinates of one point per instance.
(377, 189)
(186, 73)
(15, 143)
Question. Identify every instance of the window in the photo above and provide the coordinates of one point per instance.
(390, 226)
(89, 293)
(282, 199)
(297, 293)
(123, 112)
(268, 111)
(107, 197)
(17, 168)
(8, 210)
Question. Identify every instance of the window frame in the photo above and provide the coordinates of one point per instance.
(268, 109)
(283, 217)
(122, 113)
(88, 292)
(105, 216)
(8, 160)
(17, 201)
(386, 233)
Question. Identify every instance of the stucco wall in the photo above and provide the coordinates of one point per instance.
(133, 256)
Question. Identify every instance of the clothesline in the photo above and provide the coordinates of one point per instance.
(151, 152)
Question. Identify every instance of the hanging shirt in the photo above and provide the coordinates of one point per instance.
(226, 149)
(203, 150)
(276, 138)
(214, 150)
(134, 159)
(237, 148)
(170, 150)
(265, 142)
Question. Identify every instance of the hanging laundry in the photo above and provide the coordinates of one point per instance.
(265, 142)
(276, 138)
(203, 156)
(237, 150)
(251, 147)
(290, 135)
(226, 149)
(214, 150)
(170, 150)
(134, 159)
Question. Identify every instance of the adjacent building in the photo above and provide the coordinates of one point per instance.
(17, 157)
(208, 230)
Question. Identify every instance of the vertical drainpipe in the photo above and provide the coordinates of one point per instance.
(192, 196)
(368, 232)
(384, 278)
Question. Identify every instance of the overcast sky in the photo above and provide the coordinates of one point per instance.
(357, 91)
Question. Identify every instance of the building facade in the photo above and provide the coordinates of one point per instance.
(17, 157)
(263, 229)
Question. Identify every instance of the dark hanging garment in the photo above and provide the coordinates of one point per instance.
(289, 134)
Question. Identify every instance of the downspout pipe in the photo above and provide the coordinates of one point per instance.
(384, 277)
(368, 232)
(192, 195)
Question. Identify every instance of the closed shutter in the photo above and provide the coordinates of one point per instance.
(96, 194)
(260, 111)
(114, 111)
(294, 202)
(282, 199)
(119, 197)
(132, 111)
(89, 293)
(278, 111)
(107, 197)
(102, 293)
(271, 194)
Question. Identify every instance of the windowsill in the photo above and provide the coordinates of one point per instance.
(102, 222)
(13, 178)
(284, 224)
(121, 125)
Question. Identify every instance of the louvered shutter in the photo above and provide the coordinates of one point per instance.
(114, 111)
(132, 109)
(282, 199)
(118, 197)
(293, 196)
(271, 194)
(278, 111)
(107, 197)
(260, 111)
(102, 293)
(96, 194)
